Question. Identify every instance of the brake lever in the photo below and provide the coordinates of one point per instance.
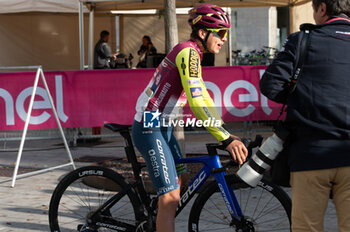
(249, 144)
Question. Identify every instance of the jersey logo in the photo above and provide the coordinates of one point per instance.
(158, 78)
(196, 92)
(183, 66)
(193, 82)
(194, 63)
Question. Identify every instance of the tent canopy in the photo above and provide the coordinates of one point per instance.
(108, 5)
(18, 6)
(72, 6)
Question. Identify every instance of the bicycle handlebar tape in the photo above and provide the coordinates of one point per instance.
(252, 171)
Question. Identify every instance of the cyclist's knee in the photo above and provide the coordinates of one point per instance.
(171, 199)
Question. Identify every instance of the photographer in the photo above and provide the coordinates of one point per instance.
(318, 114)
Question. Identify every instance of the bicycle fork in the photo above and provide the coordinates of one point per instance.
(238, 220)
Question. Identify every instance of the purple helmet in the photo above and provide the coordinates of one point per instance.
(210, 16)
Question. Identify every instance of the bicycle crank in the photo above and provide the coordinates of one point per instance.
(84, 228)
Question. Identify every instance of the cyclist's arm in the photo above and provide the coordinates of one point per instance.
(188, 64)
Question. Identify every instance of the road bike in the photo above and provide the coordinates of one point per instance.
(96, 198)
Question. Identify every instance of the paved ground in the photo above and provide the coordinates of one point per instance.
(25, 207)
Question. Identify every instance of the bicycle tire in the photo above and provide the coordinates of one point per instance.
(267, 207)
(85, 189)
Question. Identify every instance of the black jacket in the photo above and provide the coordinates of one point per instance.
(319, 109)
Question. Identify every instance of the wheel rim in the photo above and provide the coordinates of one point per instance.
(83, 196)
(260, 207)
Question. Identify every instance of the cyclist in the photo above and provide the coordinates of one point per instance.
(179, 77)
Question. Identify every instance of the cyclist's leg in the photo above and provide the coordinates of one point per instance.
(341, 197)
(161, 166)
(177, 154)
(310, 194)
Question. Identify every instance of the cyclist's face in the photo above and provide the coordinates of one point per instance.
(215, 43)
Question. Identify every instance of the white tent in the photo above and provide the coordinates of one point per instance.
(17, 6)
(107, 5)
(46, 31)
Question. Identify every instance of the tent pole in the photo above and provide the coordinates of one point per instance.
(81, 35)
(229, 58)
(91, 38)
(171, 32)
(171, 39)
(291, 19)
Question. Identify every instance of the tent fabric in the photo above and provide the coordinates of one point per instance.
(55, 6)
(107, 5)
(72, 6)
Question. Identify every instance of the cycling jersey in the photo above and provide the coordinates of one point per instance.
(179, 76)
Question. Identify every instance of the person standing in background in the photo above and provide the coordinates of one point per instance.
(103, 57)
(146, 49)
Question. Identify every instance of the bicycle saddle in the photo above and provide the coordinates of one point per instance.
(117, 127)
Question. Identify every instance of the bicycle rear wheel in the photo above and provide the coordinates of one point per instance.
(266, 207)
(83, 191)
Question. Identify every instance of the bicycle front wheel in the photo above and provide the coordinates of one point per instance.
(266, 208)
(82, 192)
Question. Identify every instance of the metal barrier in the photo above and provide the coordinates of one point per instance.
(39, 73)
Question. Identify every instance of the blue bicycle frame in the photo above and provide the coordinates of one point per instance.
(212, 165)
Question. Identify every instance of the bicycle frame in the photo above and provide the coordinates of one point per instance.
(144, 205)
(212, 165)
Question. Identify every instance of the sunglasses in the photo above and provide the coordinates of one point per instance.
(219, 33)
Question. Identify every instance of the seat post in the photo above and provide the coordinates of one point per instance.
(130, 152)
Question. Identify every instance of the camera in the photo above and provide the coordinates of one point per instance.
(252, 171)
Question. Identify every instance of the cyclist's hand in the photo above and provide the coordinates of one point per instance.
(237, 150)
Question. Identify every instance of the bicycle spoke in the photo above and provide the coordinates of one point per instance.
(257, 205)
(217, 208)
(78, 195)
(215, 229)
(263, 210)
(267, 212)
(246, 204)
(75, 200)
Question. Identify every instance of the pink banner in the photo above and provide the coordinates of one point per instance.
(92, 98)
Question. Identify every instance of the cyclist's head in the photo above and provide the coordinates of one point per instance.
(210, 19)
(209, 16)
(332, 7)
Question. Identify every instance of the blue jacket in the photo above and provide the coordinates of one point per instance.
(318, 111)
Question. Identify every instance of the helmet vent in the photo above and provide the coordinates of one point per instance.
(209, 21)
(215, 16)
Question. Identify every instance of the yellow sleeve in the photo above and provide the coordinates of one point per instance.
(188, 64)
